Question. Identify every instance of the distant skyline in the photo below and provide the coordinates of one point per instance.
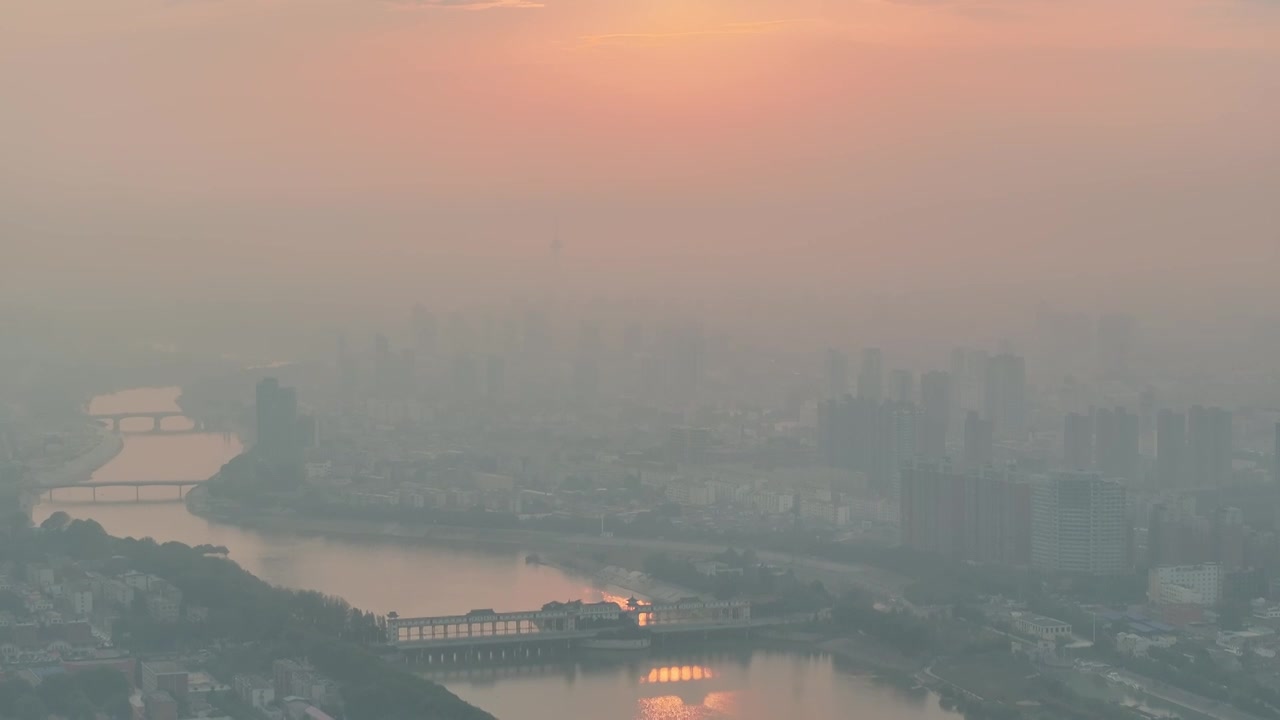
(761, 159)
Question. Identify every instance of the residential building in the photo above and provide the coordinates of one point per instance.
(278, 436)
(80, 602)
(982, 516)
(1209, 445)
(1078, 525)
(168, 677)
(1171, 450)
(979, 443)
(935, 414)
(862, 435)
(1041, 626)
(871, 376)
(254, 690)
(1186, 584)
(773, 503)
(160, 705)
(689, 493)
(1116, 442)
(163, 608)
(284, 672)
(1006, 396)
(902, 386)
(824, 512)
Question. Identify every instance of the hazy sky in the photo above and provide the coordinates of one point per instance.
(757, 151)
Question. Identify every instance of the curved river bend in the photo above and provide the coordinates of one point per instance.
(421, 579)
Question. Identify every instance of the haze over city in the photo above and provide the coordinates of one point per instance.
(762, 159)
(643, 359)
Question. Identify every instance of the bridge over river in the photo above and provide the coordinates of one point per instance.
(485, 635)
(182, 486)
(157, 419)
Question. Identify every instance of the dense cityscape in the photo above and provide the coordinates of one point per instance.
(639, 360)
(993, 519)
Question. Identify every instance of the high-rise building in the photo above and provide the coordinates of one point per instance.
(1006, 396)
(1275, 457)
(1171, 449)
(935, 405)
(1147, 420)
(968, 380)
(979, 442)
(1177, 535)
(347, 373)
(1116, 443)
(1209, 445)
(972, 516)
(837, 374)
(871, 375)
(1078, 525)
(956, 364)
(1228, 538)
(277, 432)
(1077, 442)
(383, 367)
(898, 435)
(864, 436)
(902, 385)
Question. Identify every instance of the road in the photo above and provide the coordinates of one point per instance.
(835, 575)
(1191, 701)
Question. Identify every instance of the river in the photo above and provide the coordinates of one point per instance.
(420, 579)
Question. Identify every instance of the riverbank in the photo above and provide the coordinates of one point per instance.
(620, 580)
(81, 468)
(836, 576)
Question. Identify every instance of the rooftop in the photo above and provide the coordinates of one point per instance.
(163, 667)
(1040, 619)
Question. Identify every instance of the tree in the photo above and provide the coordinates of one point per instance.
(56, 521)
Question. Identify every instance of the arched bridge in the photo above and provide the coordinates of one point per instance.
(157, 420)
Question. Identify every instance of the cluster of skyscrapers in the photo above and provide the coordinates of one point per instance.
(495, 357)
(1066, 522)
(1193, 449)
(1071, 520)
(877, 433)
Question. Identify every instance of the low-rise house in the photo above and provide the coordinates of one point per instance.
(1041, 626)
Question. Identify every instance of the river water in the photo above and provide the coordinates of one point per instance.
(419, 579)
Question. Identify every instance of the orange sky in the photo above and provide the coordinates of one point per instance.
(879, 143)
